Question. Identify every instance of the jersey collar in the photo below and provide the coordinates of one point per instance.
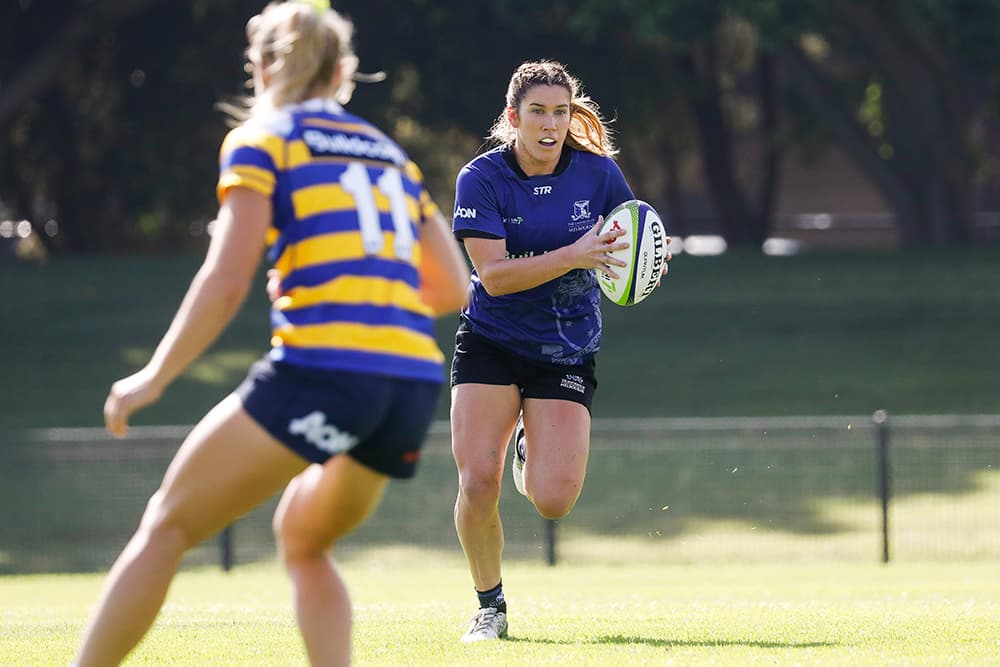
(508, 156)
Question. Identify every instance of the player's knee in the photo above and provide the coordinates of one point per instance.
(479, 490)
(294, 540)
(555, 503)
(163, 526)
(296, 548)
(295, 552)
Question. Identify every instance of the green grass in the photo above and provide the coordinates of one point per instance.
(766, 552)
(410, 610)
(741, 334)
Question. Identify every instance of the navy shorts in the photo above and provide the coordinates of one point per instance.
(379, 421)
(479, 360)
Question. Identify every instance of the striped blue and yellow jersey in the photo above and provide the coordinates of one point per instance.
(348, 209)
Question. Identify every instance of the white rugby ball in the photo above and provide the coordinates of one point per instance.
(644, 258)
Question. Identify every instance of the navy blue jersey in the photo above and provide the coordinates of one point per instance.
(558, 321)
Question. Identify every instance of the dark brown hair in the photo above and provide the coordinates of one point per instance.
(588, 131)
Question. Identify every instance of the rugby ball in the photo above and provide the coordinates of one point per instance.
(644, 258)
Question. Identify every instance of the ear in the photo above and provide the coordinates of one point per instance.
(512, 117)
(261, 80)
(338, 75)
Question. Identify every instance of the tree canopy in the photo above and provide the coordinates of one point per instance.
(108, 125)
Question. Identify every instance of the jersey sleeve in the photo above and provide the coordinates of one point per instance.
(425, 204)
(618, 188)
(477, 213)
(250, 158)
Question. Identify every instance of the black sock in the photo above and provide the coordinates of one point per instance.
(493, 598)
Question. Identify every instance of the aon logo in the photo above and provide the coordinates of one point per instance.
(314, 429)
(462, 212)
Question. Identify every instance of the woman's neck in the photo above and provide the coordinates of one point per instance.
(532, 167)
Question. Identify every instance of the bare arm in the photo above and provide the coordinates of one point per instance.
(500, 275)
(444, 274)
(214, 297)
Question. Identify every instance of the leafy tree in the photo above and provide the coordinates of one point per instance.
(109, 125)
(900, 86)
(707, 59)
(107, 120)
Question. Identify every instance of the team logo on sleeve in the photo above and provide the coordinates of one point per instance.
(581, 210)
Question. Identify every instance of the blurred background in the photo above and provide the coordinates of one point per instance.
(829, 173)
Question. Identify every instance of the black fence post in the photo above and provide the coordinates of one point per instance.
(226, 548)
(881, 419)
(550, 541)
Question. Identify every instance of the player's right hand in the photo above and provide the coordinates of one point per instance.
(126, 396)
(274, 290)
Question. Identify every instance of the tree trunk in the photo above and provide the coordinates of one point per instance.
(920, 163)
(773, 152)
(738, 225)
(745, 222)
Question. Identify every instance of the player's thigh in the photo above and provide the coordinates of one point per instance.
(482, 420)
(226, 466)
(557, 438)
(326, 502)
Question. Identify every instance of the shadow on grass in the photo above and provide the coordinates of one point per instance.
(72, 504)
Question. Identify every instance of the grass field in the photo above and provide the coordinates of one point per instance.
(410, 610)
(723, 548)
(741, 334)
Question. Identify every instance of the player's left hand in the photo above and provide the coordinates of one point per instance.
(126, 396)
(593, 251)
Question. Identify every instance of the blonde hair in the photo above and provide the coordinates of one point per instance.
(298, 47)
(588, 131)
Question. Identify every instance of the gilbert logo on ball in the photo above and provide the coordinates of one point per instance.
(644, 258)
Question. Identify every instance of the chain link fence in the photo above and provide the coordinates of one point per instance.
(657, 490)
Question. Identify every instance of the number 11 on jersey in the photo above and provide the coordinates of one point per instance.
(356, 182)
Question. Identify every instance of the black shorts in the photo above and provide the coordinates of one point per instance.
(377, 420)
(478, 360)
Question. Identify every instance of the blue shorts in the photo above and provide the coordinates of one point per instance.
(379, 421)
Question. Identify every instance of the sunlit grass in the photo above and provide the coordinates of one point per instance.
(965, 524)
(410, 609)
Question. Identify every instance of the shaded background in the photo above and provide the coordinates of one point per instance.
(857, 140)
(739, 118)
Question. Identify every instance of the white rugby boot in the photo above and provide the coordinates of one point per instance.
(517, 466)
(488, 623)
